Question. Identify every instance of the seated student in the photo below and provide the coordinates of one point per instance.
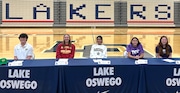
(65, 49)
(98, 50)
(23, 50)
(135, 49)
(163, 49)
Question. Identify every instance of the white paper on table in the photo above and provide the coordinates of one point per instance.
(62, 62)
(97, 60)
(141, 61)
(178, 62)
(169, 60)
(104, 62)
(15, 63)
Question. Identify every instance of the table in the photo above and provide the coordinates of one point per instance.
(85, 76)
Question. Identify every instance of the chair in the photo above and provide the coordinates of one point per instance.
(125, 54)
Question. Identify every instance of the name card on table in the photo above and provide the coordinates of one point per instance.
(104, 62)
(15, 63)
(62, 62)
(141, 61)
(169, 60)
(178, 62)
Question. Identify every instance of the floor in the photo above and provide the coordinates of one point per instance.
(44, 40)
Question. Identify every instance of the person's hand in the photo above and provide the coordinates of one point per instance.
(137, 57)
(15, 58)
(29, 57)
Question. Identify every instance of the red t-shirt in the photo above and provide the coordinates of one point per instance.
(65, 52)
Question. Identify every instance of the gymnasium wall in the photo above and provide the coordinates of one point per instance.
(78, 13)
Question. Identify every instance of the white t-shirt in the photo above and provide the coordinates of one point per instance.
(98, 51)
(23, 51)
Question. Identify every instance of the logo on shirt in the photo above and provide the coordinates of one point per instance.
(164, 51)
(98, 49)
(98, 53)
(65, 47)
(65, 51)
(135, 51)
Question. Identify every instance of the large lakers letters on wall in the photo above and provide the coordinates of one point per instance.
(27, 12)
(87, 12)
(90, 12)
(153, 12)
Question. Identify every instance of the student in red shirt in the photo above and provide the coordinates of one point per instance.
(65, 49)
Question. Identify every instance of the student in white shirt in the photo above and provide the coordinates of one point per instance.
(23, 50)
(98, 50)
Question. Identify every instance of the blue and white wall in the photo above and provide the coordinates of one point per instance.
(65, 13)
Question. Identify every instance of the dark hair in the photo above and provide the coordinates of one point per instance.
(160, 46)
(69, 43)
(137, 40)
(99, 37)
(23, 35)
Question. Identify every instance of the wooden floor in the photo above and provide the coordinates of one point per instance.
(44, 39)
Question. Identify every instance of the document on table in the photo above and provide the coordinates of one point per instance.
(15, 63)
(104, 62)
(169, 60)
(178, 62)
(141, 61)
(101, 61)
(62, 62)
